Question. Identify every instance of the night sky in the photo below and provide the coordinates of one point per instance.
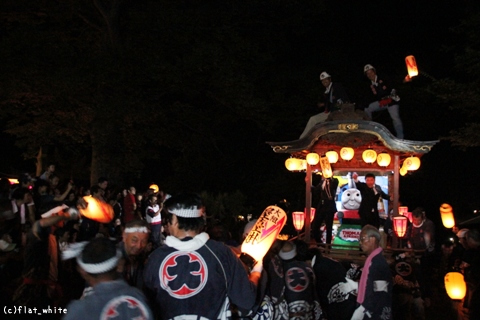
(340, 37)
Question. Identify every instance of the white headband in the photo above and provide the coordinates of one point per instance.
(136, 229)
(96, 268)
(76, 249)
(187, 213)
(288, 255)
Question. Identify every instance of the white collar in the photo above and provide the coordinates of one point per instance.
(375, 83)
(190, 245)
(329, 87)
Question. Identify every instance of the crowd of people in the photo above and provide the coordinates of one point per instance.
(159, 258)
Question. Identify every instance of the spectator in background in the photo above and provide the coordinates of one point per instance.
(154, 218)
(471, 270)
(421, 236)
(130, 205)
(48, 172)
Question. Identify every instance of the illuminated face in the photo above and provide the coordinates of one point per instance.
(326, 82)
(371, 74)
(370, 181)
(135, 242)
(351, 199)
(367, 244)
(417, 220)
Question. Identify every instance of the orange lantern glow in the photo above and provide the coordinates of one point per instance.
(326, 168)
(400, 226)
(403, 171)
(346, 153)
(303, 164)
(97, 210)
(455, 285)
(298, 220)
(402, 211)
(412, 163)
(293, 164)
(312, 213)
(384, 159)
(446, 212)
(411, 66)
(264, 232)
(313, 158)
(332, 156)
(409, 216)
(369, 156)
(154, 187)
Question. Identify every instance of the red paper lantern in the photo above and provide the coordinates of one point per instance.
(298, 220)
(312, 213)
(400, 226)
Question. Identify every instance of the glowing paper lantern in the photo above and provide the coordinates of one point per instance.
(97, 210)
(293, 164)
(400, 225)
(411, 66)
(313, 158)
(412, 163)
(383, 159)
(347, 153)
(402, 211)
(154, 187)
(332, 156)
(312, 213)
(264, 232)
(455, 285)
(446, 212)
(369, 156)
(403, 171)
(409, 216)
(298, 220)
(303, 164)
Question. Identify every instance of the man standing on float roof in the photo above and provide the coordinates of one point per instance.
(193, 276)
(383, 97)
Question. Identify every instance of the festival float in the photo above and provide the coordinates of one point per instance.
(348, 142)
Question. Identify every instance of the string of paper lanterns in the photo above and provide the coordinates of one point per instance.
(369, 156)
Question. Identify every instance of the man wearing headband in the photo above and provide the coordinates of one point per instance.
(299, 284)
(193, 276)
(40, 286)
(111, 297)
(135, 240)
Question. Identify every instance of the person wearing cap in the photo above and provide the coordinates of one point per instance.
(192, 276)
(334, 94)
(133, 248)
(111, 296)
(374, 299)
(299, 284)
(383, 97)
